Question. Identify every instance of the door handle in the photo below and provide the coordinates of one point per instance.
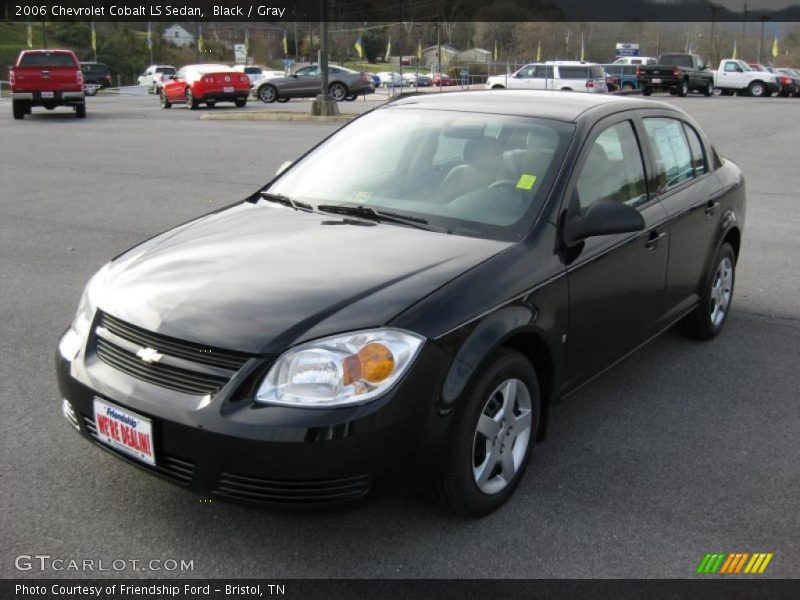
(711, 207)
(652, 241)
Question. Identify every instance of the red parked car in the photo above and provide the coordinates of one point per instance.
(47, 78)
(209, 84)
(443, 79)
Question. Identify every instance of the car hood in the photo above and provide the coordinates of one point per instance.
(258, 278)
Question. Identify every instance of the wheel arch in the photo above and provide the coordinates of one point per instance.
(733, 237)
(512, 327)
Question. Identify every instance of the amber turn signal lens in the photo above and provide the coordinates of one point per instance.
(373, 363)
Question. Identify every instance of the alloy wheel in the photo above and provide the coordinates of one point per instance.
(501, 437)
(721, 291)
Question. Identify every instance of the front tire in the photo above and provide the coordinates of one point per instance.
(191, 101)
(756, 89)
(165, 103)
(709, 91)
(337, 91)
(708, 319)
(91, 91)
(491, 438)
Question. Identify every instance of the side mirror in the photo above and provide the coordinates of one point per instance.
(293, 75)
(283, 167)
(605, 217)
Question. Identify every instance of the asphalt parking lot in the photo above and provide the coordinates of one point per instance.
(683, 449)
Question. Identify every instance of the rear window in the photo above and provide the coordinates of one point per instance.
(46, 59)
(94, 69)
(253, 70)
(676, 60)
(166, 70)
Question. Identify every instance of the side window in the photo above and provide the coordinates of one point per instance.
(671, 152)
(699, 163)
(731, 67)
(543, 72)
(525, 72)
(613, 169)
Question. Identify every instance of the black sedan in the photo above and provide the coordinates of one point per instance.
(343, 84)
(412, 313)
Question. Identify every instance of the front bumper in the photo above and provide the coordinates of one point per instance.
(231, 447)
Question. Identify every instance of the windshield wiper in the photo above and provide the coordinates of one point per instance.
(367, 212)
(286, 201)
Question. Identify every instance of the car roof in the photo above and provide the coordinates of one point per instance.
(561, 106)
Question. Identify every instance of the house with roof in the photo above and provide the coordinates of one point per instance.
(178, 35)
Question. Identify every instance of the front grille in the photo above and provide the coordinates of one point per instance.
(180, 380)
(179, 470)
(184, 367)
(224, 359)
(254, 489)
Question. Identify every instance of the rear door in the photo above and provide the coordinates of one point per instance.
(543, 77)
(689, 192)
(616, 282)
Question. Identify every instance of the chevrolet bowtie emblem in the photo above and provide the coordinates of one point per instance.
(149, 355)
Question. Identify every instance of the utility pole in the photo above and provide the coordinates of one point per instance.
(439, 42)
(744, 27)
(763, 18)
(323, 104)
(712, 54)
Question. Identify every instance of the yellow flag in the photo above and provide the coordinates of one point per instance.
(419, 50)
(495, 51)
(285, 43)
(359, 46)
(775, 49)
(201, 45)
(583, 51)
(734, 54)
(30, 35)
(94, 38)
(539, 52)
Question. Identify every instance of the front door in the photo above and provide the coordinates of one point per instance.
(616, 282)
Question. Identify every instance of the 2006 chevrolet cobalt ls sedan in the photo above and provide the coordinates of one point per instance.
(411, 309)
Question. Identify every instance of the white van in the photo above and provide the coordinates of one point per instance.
(567, 75)
(636, 60)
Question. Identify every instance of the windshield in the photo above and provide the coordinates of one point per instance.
(472, 174)
(167, 70)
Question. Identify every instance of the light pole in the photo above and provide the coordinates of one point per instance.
(324, 105)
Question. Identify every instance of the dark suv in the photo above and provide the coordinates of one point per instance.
(96, 76)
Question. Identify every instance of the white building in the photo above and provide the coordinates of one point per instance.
(475, 55)
(178, 36)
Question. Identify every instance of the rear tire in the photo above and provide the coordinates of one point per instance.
(337, 91)
(19, 108)
(80, 110)
(268, 93)
(240, 103)
(494, 426)
(91, 91)
(211, 103)
(683, 88)
(498, 87)
(708, 319)
(646, 91)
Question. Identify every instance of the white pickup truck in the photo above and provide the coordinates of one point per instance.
(737, 76)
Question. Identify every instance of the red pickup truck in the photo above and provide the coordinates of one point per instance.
(47, 78)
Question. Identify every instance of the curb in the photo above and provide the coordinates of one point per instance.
(275, 116)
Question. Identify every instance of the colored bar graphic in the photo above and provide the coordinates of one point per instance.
(733, 562)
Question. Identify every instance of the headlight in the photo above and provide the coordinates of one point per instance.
(342, 370)
(78, 333)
